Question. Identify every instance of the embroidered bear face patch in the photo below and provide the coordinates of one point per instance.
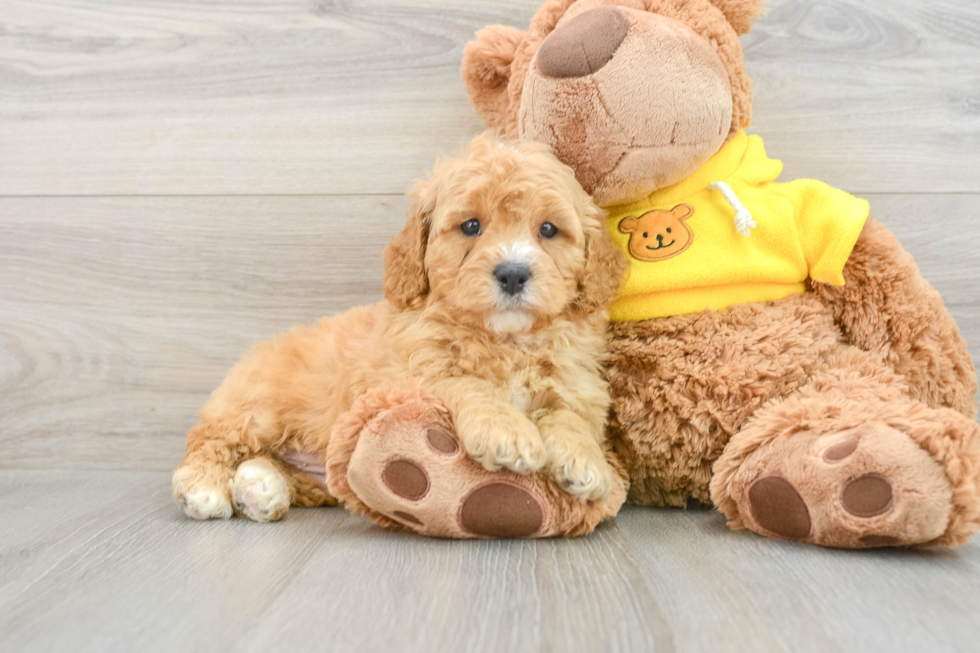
(659, 235)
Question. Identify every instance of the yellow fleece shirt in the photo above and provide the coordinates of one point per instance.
(686, 251)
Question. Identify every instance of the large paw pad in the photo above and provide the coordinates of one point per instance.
(501, 510)
(779, 508)
(416, 473)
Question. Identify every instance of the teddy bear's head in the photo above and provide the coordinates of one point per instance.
(634, 95)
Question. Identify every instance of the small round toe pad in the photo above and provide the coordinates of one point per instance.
(838, 452)
(406, 479)
(441, 440)
(867, 496)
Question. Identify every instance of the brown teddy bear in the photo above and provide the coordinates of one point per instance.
(781, 357)
(787, 363)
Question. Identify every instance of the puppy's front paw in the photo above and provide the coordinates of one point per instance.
(505, 440)
(260, 491)
(197, 498)
(587, 477)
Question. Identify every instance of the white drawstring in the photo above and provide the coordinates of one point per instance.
(743, 219)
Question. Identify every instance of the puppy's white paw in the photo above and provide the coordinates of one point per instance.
(199, 503)
(584, 479)
(206, 504)
(260, 491)
(508, 441)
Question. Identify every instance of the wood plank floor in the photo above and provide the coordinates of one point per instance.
(179, 179)
(104, 561)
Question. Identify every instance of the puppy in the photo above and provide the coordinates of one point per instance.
(496, 294)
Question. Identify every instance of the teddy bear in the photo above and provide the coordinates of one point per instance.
(785, 362)
(773, 353)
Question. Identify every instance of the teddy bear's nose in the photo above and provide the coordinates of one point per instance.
(584, 45)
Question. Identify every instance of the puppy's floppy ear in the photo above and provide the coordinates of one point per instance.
(486, 71)
(406, 281)
(741, 14)
(605, 266)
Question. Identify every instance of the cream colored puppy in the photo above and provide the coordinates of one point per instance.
(496, 294)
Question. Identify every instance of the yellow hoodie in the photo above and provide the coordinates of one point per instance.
(703, 244)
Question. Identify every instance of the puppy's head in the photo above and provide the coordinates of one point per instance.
(503, 234)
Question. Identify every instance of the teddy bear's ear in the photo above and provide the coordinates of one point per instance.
(406, 281)
(740, 13)
(486, 71)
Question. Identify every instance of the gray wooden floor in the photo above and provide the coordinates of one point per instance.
(179, 179)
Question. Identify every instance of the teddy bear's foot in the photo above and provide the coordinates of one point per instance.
(395, 457)
(904, 475)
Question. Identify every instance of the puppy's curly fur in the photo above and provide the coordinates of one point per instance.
(520, 371)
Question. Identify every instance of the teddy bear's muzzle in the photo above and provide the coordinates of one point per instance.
(632, 100)
(584, 45)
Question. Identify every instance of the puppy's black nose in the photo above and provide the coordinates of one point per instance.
(660, 238)
(512, 277)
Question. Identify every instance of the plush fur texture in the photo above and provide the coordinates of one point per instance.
(930, 457)
(522, 372)
(844, 416)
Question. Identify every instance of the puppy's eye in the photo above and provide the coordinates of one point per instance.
(548, 230)
(646, 235)
(471, 227)
(668, 229)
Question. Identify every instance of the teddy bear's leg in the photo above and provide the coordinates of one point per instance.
(851, 461)
(887, 308)
(395, 457)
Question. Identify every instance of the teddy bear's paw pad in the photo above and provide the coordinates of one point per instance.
(500, 509)
(406, 478)
(259, 491)
(415, 472)
(441, 440)
(877, 541)
(777, 507)
(407, 518)
(835, 453)
(867, 496)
